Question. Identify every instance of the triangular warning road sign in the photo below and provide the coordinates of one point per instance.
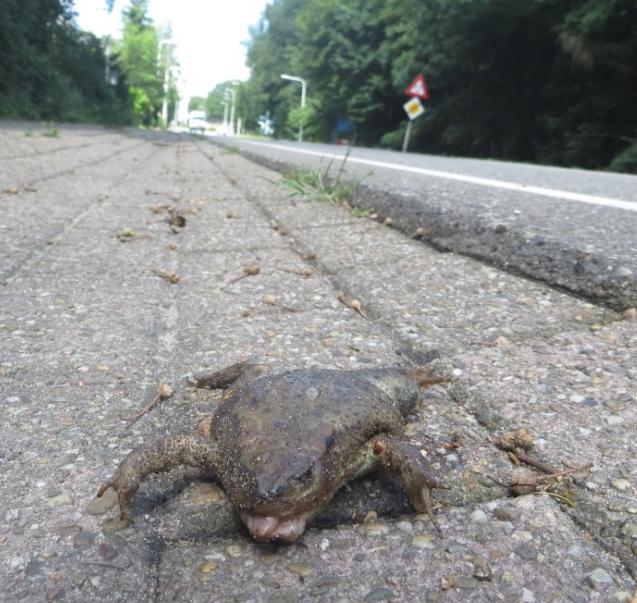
(418, 88)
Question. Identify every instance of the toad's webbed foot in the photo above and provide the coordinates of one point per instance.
(193, 450)
(406, 462)
(224, 378)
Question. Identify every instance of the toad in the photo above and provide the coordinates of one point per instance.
(281, 445)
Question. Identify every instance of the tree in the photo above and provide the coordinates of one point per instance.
(540, 80)
(138, 60)
(49, 69)
(196, 103)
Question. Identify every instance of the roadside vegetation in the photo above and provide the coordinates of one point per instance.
(52, 70)
(536, 81)
(541, 81)
(328, 184)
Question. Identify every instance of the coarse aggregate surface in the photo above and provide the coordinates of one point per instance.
(90, 328)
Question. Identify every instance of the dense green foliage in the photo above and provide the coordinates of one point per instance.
(532, 80)
(50, 69)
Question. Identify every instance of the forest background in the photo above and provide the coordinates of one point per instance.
(544, 81)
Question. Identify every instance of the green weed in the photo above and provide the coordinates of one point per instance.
(50, 131)
(322, 187)
(359, 212)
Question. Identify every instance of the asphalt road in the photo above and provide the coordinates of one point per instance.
(572, 228)
(102, 298)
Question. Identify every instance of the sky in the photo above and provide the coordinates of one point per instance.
(209, 35)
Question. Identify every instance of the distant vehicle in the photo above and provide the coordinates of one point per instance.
(197, 122)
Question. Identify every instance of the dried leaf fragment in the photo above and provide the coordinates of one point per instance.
(171, 277)
(160, 208)
(251, 269)
(271, 300)
(164, 391)
(511, 440)
(176, 218)
(356, 305)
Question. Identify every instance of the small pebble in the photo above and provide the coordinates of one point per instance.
(630, 529)
(107, 552)
(83, 540)
(599, 577)
(620, 484)
(527, 596)
(234, 550)
(205, 493)
(114, 524)
(302, 569)
(423, 541)
(630, 314)
(98, 506)
(479, 516)
(375, 528)
(481, 569)
(208, 567)
(526, 551)
(60, 500)
(379, 594)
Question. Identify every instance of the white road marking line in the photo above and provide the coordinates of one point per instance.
(504, 184)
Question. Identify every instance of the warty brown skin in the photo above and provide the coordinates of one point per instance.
(282, 445)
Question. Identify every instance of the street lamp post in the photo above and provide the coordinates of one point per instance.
(303, 83)
(225, 114)
(233, 103)
(164, 106)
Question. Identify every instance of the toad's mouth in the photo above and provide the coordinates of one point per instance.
(267, 527)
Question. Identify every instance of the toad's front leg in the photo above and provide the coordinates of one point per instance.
(406, 462)
(238, 372)
(192, 449)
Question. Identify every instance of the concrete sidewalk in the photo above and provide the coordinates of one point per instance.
(89, 330)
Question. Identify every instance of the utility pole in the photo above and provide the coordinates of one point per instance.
(233, 105)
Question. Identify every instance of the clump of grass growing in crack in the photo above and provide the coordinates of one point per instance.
(323, 187)
(50, 131)
(232, 151)
(359, 212)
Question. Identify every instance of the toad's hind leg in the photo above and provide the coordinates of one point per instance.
(193, 450)
(406, 462)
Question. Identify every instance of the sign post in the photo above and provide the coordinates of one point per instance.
(414, 109)
(417, 90)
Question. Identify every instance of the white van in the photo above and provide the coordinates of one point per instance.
(197, 122)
